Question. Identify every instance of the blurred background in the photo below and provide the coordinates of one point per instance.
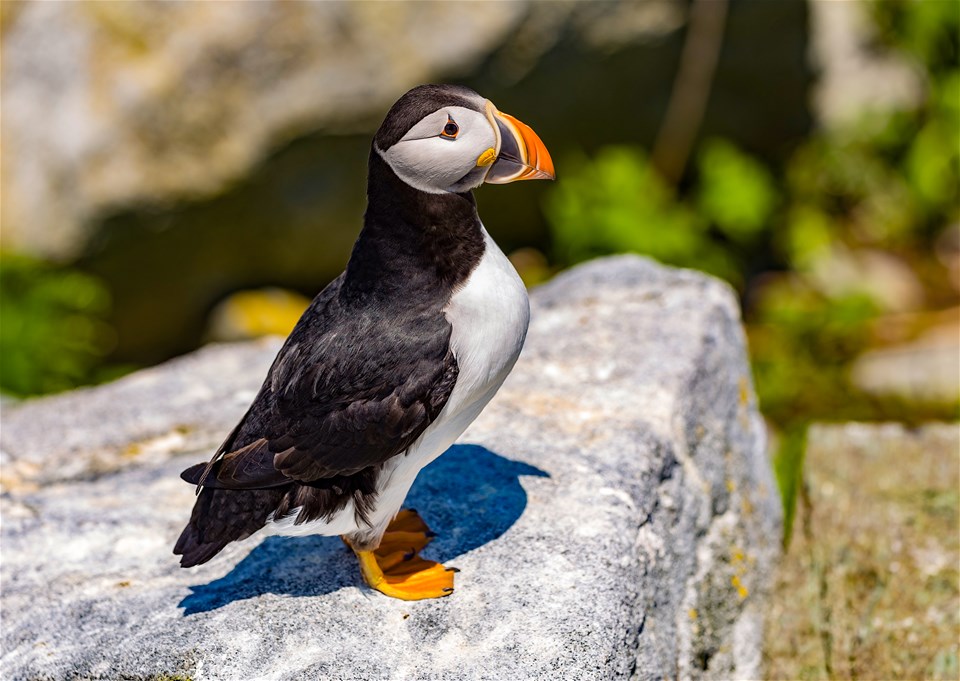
(180, 173)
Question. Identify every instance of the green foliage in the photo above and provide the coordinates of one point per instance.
(929, 31)
(933, 158)
(808, 236)
(52, 330)
(788, 467)
(735, 192)
(802, 342)
(617, 202)
(627, 208)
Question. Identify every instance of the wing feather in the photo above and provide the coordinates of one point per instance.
(349, 390)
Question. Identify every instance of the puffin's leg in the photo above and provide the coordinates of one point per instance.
(396, 569)
(406, 533)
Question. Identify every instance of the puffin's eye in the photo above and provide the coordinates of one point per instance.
(450, 130)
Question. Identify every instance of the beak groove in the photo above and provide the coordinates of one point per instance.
(521, 154)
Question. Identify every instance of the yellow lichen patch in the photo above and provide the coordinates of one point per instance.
(18, 476)
(124, 583)
(739, 561)
(249, 314)
(11, 483)
(731, 485)
(692, 613)
(540, 405)
(124, 26)
(743, 413)
(172, 441)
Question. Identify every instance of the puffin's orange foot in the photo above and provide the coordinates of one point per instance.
(410, 580)
(397, 570)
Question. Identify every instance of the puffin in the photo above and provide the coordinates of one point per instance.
(391, 361)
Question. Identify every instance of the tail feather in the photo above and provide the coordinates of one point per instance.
(193, 553)
(194, 473)
(221, 516)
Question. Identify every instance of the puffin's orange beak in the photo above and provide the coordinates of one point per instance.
(520, 153)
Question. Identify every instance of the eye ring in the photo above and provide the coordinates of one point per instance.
(450, 130)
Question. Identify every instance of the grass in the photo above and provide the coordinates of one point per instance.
(869, 587)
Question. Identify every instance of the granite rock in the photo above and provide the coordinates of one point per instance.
(613, 514)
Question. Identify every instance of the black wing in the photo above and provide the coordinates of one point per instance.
(350, 388)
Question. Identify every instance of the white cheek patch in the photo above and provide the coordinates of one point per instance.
(433, 164)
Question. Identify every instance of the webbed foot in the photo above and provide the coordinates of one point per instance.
(396, 568)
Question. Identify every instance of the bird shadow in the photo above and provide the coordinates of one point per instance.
(469, 497)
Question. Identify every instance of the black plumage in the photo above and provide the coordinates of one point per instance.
(365, 371)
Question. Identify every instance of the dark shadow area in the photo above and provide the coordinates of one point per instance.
(469, 497)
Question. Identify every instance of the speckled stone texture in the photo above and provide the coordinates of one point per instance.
(612, 512)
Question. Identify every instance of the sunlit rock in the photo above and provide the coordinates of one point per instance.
(612, 512)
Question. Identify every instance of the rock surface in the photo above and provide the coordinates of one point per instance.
(614, 517)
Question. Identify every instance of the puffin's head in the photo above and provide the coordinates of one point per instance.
(447, 138)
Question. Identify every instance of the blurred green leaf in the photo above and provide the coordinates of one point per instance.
(929, 30)
(808, 235)
(616, 202)
(788, 468)
(735, 191)
(53, 333)
(930, 162)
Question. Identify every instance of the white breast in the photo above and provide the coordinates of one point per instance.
(489, 315)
